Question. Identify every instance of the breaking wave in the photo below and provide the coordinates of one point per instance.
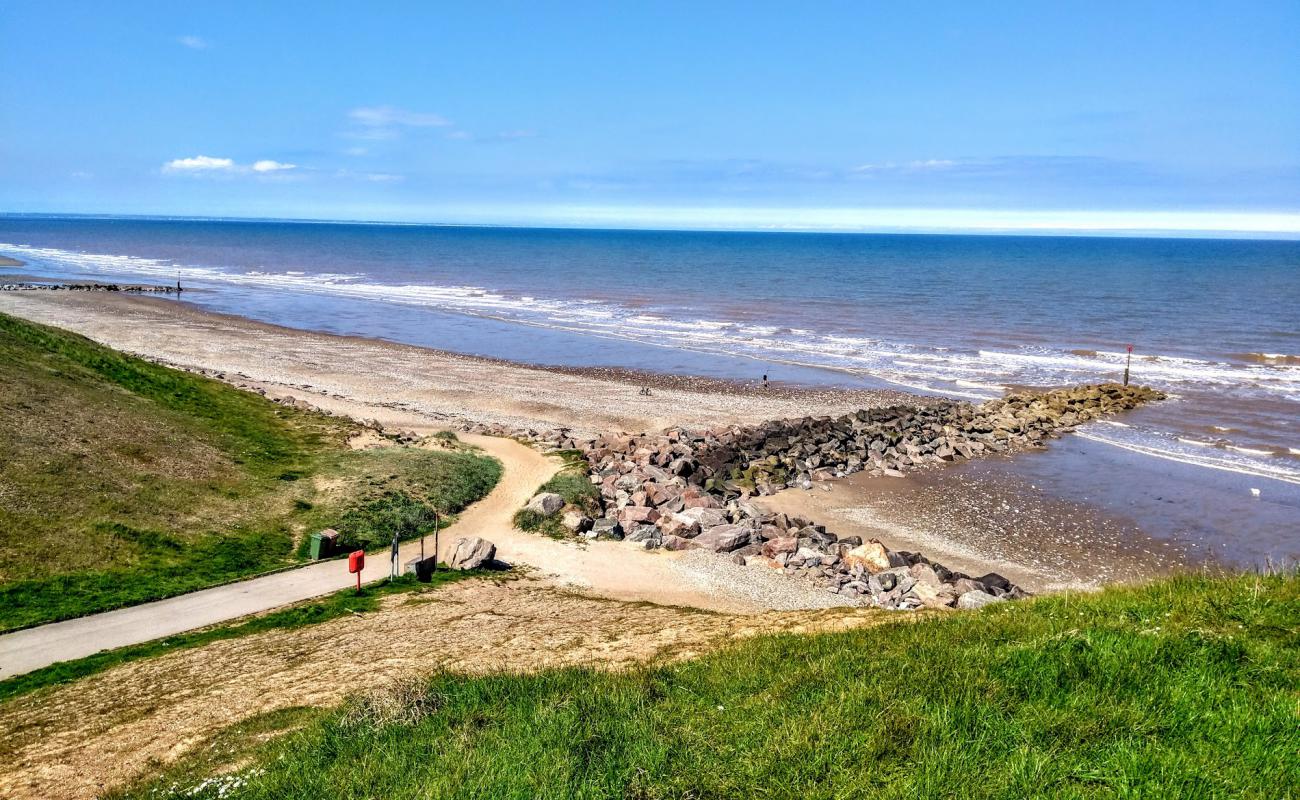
(974, 374)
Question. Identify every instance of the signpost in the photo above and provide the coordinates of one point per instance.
(436, 520)
(1128, 363)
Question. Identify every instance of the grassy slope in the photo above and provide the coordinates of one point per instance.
(312, 612)
(1185, 688)
(123, 481)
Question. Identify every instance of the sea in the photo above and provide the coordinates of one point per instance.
(1215, 323)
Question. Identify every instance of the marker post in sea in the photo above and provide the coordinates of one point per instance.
(1128, 363)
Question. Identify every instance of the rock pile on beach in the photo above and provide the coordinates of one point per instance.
(682, 490)
(551, 440)
(85, 287)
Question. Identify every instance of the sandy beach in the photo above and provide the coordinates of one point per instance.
(444, 386)
(950, 514)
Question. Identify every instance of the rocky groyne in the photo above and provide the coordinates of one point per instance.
(682, 490)
(27, 286)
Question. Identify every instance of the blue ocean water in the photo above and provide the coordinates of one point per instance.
(1214, 322)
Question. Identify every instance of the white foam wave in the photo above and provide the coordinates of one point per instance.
(974, 375)
(1254, 451)
(1221, 460)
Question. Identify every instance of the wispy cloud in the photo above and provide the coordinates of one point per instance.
(371, 177)
(193, 42)
(906, 166)
(387, 122)
(267, 165)
(503, 136)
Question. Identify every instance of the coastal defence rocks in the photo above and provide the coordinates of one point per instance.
(86, 287)
(684, 490)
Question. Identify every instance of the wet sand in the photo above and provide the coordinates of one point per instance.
(987, 515)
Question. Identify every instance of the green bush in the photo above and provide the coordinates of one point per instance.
(372, 526)
(576, 489)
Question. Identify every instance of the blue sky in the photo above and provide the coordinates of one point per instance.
(1129, 116)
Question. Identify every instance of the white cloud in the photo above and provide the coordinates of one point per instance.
(199, 164)
(207, 165)
(193, 42)
(267, 165)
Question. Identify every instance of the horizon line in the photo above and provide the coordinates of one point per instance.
(1042, 229)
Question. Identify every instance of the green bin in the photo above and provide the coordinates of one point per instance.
(322, 544)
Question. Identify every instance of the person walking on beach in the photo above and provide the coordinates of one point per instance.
(765, 381)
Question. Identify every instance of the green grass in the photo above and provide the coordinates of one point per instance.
(402, 489)
(122, 481)
(313, 612)
(1185, 688)
(574, 486)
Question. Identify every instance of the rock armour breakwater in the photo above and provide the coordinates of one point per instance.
(87, 287)
(682, 490)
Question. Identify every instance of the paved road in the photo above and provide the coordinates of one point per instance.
(617, 570)
(33, 648)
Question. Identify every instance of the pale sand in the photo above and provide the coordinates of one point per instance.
(439, 385)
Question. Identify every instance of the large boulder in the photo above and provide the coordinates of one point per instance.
(546, 503)
(679, 525)
(472, 552)
(576, 521)
(925, 575)
(723, 538)
(977, 600)
(780, 544)
(606, 528)
(705, 518)
(872, 556)
(637, 515)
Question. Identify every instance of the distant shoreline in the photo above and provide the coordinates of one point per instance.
(5, 261)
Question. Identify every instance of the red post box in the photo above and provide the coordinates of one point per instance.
(356, 563)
